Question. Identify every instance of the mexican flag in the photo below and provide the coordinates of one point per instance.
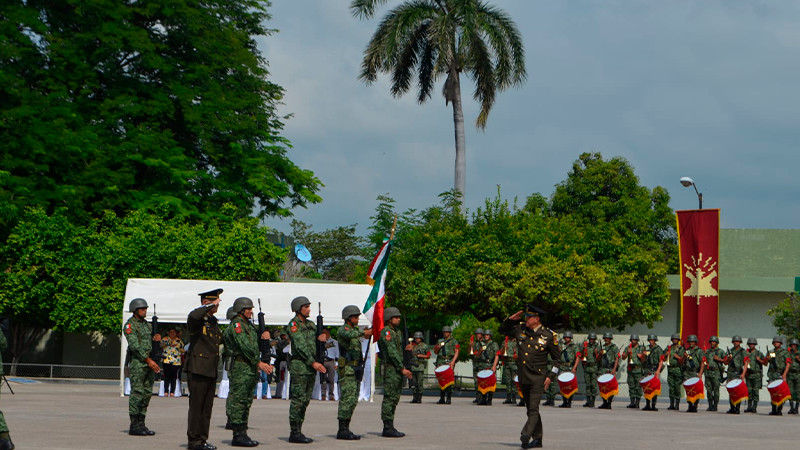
(376, 277)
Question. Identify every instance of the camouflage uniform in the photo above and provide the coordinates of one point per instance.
(349, 360)
(793, 377)
(302, 336)
(447, 350)
(608, 359)
(691, 368)
(589, 357)
(241, 344)
(569, 353)
(753, 379)
(652, 358)
(713, 376)
(475, 349)
(552, 390)
(735, 361)
(418, 367)
(635, 371)
(674, 373)
(4, 437)
(779, 358)
(510, 370)
(390, 344)
(140, 342)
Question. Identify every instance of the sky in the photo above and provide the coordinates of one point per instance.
(706, 89)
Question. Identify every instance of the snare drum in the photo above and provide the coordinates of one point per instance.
(445, 376)
(487, 381)
(779, 392)
(607, 385)
(694, 389)
(568, 384)
(651, 386)
(737, 391)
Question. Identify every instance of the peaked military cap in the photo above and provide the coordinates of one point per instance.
(532, 310)
(212, 294)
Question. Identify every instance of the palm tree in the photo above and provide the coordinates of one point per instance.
(432, 38)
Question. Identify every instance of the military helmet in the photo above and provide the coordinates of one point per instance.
(242, 303)
(299, 302)
(713, 339)
(652, 337)
(691, 338)
(592, 335)
(478, 330)
(794, 341)
(777, 339)
(230, 314)
(136, 304)
(350, 310)
(568, 334)
(736, 338)
(675, 336)
(634, 337)
(390, 312)
(418, 334)
(608, 335)
(487, 332)
(447, 329)
(752, 341)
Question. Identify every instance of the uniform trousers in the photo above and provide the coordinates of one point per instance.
(532, 394)
(201, 400)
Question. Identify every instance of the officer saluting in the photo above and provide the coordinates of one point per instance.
(535, 343)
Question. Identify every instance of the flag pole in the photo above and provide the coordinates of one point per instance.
(371, 347)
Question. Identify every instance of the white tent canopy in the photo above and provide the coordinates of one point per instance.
(174, 299)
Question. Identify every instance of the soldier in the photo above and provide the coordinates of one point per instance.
(302, 337)
(446, 354)
(673, 356)
(635, 356)
(794, 375)
(421, 354)
(754, 360)
(590, 355)
(535, 342)
(735, 362)
(351, 369)
(487, 360)
(202, 361)
(5, 438)
(714, 371)
(476, 345)
(779, 362)
(331, 358)
(230, 314)
(609, 363)
(509, 353)
(142, 368)
(390, 344)
(552, 390)
(653, 363)
(693, 365)
(241, 342)
(569, 363)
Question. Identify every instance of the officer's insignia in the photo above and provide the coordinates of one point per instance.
(294, 327)
(555, 337)
(238, 327)
(128, 328)
(388, 336)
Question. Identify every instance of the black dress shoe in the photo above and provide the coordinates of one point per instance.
(526, 440)
(536, 443)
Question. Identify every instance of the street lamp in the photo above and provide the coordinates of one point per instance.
(686, 182)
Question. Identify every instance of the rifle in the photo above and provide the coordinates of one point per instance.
(263, 344)
(408, 355)
(320, 357)
(155, 351)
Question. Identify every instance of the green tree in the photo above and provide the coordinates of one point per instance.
(431, 39)
(123, 105)
(338, 253)
(786, 316)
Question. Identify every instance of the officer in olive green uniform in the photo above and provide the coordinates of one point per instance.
(635, 356)
(446, 354)
(652, 366)
(142, 368)
(351, 369)
(734, 359)
(509, 352)
(590, 356)
(693, 366)
(5, 439)
(476, 346)
(609, 362)
(304, 367)
(779, 362)
(241, 344)
(421, 354)
(569, 363)
(390, 344)
(535, 342)
(202, 361)
(793, 378)
(673, 357)
(753, 374)
(715, 367)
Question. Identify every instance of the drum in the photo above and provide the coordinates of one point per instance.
(516, 383)
(445, 376)
(607, 385)
(779, 391)
(651, 386)
(737, 391)
(694, 389)
(568, 384)
(487, 381)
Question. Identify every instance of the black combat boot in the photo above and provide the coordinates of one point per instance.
(136, 427)
(793, 409)
(606, 405)
(240, 437)
(632, 404)
(228, 425)
(5, 442)
(653, 404)
(345, 433)
(481, 399)
(591, 401)
(749, 408)
(441, 399)
(521, 402)
(447, 399)
(508, 400)
(489, 397)
(145, 430)
(549, 402)
(565, 403)
(296, 436)
(390, 431)
(610, 400)
(587, 403)
(636, 404)
(677, 404)
(647, 405)
(774, 411)
(671, 404)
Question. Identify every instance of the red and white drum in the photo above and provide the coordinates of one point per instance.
(779, 392)
(607, 385)
(651, 386)
(445, 376)
(487, 381)
(694, 389)
(737, 391)
(568, 384)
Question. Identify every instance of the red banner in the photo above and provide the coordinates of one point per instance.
(698, 240)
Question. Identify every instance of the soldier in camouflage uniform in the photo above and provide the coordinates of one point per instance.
(446, 354)
(5, 439)
(715, 366)
(487, 360)
(609, 363)
(735, 362)
(350, 362)
(569, 363)
(673, 356)
(793, 378)
(241, 342)
(421, 354)
(590, 355)
(476, 345)
(779, 361)
(304, 367)
(753, 369)
(635, 356)
(509, 352)
(693, 366)
(142, 368)
(230, 314)
(390, 344)
(652, 366)
(552, 390)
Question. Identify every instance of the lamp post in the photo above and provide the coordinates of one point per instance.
(686, 182)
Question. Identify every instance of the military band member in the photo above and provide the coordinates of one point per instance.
(202, 361)
(714, 371)
(487, 360)
(552, 390)
(351, 369)
(653, 363)
(693, 365)
(793, 378)
(778, 361)
(673, 357)
(635, 356)
(735, 362)
(535, 342)
(509, 354)
(421, 354)
(446, 354)
(569, 363)
(753, 369)
(476, 345)
(609, 363)
(391, 347)
(141, 367)
(590, 356)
